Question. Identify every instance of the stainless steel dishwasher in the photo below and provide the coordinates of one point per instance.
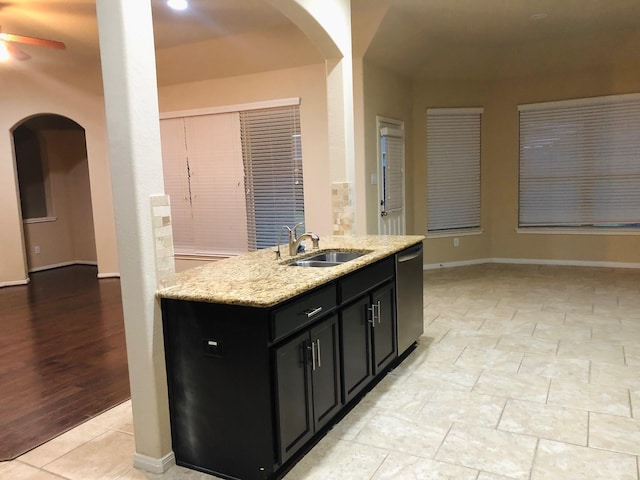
(409, 292)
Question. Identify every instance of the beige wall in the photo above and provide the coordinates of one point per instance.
(389, 95)
(499, 173)
(32, 95)
(308, 83)
(70, 238)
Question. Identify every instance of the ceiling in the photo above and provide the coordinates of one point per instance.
(417, 38)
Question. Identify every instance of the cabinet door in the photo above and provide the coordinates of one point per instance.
(356, 347)
(325, 371)
(384, 328)
(293, 378)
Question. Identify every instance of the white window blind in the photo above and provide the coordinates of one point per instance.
(272, 153)
(453, 169)
(392, 146)
(580, 163)
(204, 178)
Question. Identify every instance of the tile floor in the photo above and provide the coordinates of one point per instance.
(524, 373)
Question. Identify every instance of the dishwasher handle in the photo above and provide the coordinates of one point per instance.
(414, 252)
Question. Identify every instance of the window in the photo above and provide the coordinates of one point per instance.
(580, 163)
(272, 155)
(453, 170)
(234, 178)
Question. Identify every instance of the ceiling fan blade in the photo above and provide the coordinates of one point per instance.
(16, 53)
(10, 37)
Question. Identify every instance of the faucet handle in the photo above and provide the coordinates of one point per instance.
(295, 227)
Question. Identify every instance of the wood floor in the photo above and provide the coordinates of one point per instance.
(62, 355)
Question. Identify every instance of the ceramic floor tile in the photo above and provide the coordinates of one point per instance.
(552, 367)
(464, 407)
(591, 320)
(444, 353)
(489, 450)
(412, 434)
(554, 332)
(492, 476)
(19, 471)
(396, 396)
(618, 434)
(458, 321)
(568, 307)
(539, 316)
(615, 375)
(516, 386)
(338, 460)
(442, 375)
(618, 335)
(435, 332)
(635, 403)
(586, 396)
(62, 444)
(632, 356)
(527, 345)
(498, 312)
(104, 458)
(174, 473)
(507, 327)
(595, 351)
(490, 359)
(353, 422)
(470, 338)
(555, 460)
(407, 467)
(119, 417)
(545, 421)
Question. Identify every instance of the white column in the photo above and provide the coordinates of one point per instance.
(131, 100)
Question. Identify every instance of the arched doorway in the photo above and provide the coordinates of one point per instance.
(55, 195)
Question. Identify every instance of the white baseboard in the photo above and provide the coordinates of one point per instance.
(152, 464)
(63, 264)
(462, 263)
(109, 275)
(532, 261)
(15, 283)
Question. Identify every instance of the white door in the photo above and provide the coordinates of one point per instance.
(391, 220)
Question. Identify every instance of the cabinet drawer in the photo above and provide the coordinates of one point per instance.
(365, 279)
(302, 311)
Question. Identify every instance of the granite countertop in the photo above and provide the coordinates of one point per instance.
(258, 279)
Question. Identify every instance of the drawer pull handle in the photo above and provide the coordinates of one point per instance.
(313, 311)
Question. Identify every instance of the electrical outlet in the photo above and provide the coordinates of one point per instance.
(456, 242)
(36, 249)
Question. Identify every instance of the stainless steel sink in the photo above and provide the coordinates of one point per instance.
(327, 259)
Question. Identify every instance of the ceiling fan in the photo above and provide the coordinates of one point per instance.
(8, 48)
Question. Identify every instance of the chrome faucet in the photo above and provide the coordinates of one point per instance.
(294, 241)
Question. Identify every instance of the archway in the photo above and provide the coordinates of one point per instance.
(55, 196)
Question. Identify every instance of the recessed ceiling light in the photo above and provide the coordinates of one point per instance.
(178, 4)
(536, 17)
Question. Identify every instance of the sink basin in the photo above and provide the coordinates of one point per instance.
(327, 259)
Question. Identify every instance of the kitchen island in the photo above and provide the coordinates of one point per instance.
(264, 357)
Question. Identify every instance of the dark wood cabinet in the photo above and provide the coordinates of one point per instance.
(367, 329)
(250, 388)
(307, 371)
(383, 325)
